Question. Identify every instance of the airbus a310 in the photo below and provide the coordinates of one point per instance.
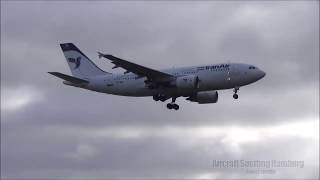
(196, 83)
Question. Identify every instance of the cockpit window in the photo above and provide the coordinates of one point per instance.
(252, 67)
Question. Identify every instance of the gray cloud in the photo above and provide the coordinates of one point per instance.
(54, 125)
(156, 153)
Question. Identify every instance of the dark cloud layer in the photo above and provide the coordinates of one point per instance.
(51, 130)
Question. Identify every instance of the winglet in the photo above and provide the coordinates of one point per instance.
(108, 56)
(100, 54)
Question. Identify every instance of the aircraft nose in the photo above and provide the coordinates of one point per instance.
(261, 74)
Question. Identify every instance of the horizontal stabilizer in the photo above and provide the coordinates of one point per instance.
(69, 78)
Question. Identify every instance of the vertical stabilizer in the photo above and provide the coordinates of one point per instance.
(80, 65)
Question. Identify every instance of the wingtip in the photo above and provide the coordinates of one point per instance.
(99, 54)
(53, 73)
(104, 55)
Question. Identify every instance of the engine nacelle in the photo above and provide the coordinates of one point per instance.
(205, 97)
(187, 82)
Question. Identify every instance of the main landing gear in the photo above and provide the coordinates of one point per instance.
(235, 90)
(159, 97)
(173, 105)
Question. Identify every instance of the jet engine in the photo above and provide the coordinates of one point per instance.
(187, 82)
(204, 97)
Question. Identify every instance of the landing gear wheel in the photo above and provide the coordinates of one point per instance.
(235, 96)
(175, 106)
(156, 97)
(163, 98)
(235, 90)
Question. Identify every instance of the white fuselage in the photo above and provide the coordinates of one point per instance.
(211, 77)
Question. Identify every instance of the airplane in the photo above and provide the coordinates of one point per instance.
(197, 83)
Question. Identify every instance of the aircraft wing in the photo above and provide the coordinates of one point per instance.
(141, 71)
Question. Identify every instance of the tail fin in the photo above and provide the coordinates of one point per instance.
(79, 64)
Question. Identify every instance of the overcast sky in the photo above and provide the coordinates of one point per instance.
(49, 130)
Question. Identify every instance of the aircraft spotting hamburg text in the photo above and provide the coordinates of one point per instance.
(196, 83)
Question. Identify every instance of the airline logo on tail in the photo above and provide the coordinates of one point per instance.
(75, 61)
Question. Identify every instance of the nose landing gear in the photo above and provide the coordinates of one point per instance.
(235, 96)
(173, 105)
(235, 90)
